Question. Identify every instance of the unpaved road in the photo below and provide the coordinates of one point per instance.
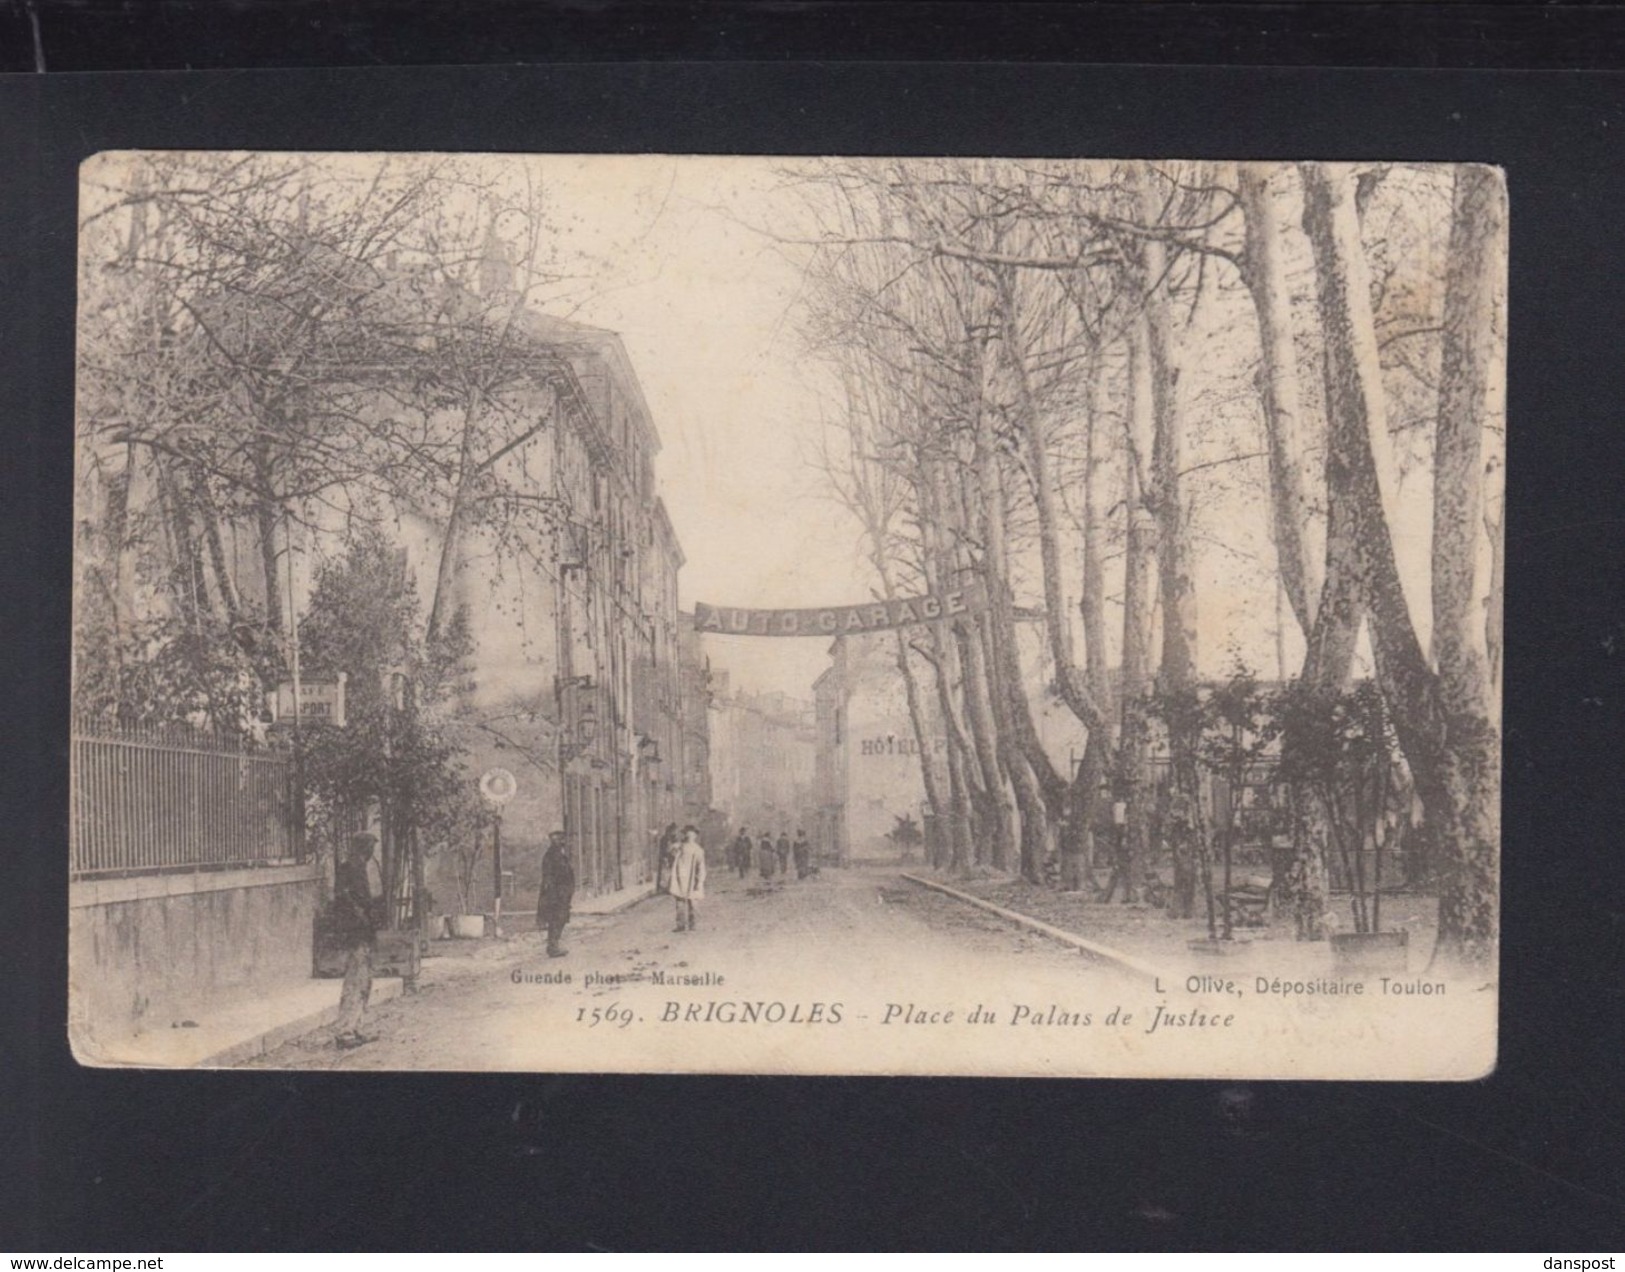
(873, 963)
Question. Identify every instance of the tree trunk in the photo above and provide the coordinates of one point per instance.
(1265, 277)
(224, 583)
(923, 735)
(1004, 655)
(1134, 788)
(1441, 719)
(1084, 802)
(1176, 673)
(960, 755)
(1018, 747)
(1083, 810)
(1469, 900)
(993, 833)
(266, 512)
(998, 810)
(188, 586)
(117, 567)
(1035, 821)
(1074, 833)
(1301, 884)
(1092, 595)
(959, 818)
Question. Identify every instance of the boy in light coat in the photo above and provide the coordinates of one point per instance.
(688, 878)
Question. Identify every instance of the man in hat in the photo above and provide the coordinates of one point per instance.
(557, 890)
(355, 926)
(742, 852)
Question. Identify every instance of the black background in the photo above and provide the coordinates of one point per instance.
(1529, 1158)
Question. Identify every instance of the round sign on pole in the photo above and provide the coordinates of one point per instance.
(498, 786)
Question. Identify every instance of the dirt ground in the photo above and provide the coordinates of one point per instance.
(862, 971)
(845, 933)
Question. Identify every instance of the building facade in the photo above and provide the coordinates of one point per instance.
(868, 767)
(763, 758)
(575, 682)
(572, 681)
(694, 726)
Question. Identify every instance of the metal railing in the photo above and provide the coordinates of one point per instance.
(149, 801)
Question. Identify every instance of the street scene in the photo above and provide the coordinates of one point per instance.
(682, 614)
(785, 947)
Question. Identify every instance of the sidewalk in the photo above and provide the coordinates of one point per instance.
(612, 902)
(228, 1033)
(1093, 949)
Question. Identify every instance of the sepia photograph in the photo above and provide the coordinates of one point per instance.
(779, 615)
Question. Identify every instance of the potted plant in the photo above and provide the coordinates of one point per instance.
(905, 835)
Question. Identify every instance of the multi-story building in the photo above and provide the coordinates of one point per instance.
(868, 755)
(565, 571)
(575, 682)
(762, 759)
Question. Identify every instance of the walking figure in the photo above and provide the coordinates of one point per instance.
(741, 852)
(803, 853)
(669, 839)
(783, 849)
(356, 927)
(767, 857)
(554, 896)
(688, 877)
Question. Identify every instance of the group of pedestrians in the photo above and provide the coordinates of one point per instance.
(771, 856)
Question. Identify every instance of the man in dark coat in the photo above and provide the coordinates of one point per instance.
(557, 890)
(803, 852)
(355, 926)
(741, 852)
(669, 839)
(783, 849)
(767, 856)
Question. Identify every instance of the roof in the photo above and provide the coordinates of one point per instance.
(579, 338)
(664, 527)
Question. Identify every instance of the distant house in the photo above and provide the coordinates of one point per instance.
(868, 772)
(763, 756)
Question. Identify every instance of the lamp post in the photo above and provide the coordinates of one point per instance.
(497, 786)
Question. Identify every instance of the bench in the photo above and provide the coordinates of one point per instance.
(1246, 906)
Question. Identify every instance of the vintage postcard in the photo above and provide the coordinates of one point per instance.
(788, 616)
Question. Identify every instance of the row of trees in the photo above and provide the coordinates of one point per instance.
(1080, 383)
(276, 354)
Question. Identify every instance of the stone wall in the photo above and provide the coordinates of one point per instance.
(145, 952)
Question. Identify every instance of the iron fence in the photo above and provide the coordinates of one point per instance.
(147, 801)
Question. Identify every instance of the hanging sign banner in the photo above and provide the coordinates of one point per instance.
(840, 620)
